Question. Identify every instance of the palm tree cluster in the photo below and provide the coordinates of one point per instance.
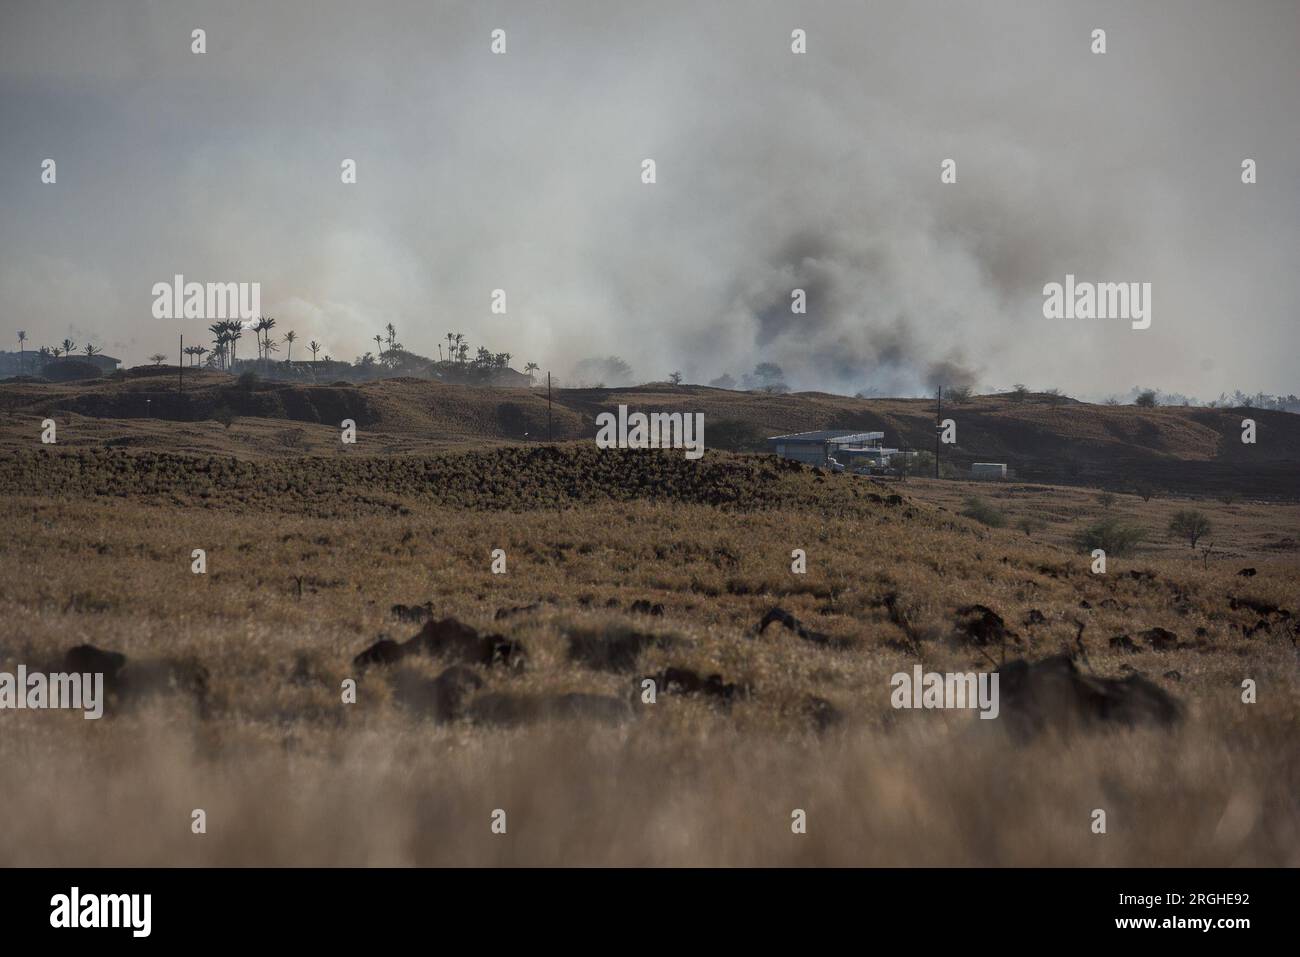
(63, 350)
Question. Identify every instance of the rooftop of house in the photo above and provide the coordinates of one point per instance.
(839, 436)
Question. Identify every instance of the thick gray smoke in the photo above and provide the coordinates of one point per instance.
(775, 171)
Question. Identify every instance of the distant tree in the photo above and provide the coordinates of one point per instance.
(157, 358)
(529, 369)
(1144, 490)
(314, 347)
(1111, 535)
(1146, 399)
(379, 344)
(68, 346)
(290, 337)
(1054, 396)
(56, 352)
(1106, 499)
(675, 378)
(268, 324)
(391, 336)
(958, 393)
(1019, 392)
(1189, 524)
(234, 330)
(92, 351)
(224, 415)
(22, 352)
(258, 326)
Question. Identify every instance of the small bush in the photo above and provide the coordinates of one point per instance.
(225, 415)
(1146, 400)
(983, 512)
(248, 381)
(1106, 500)
(1112, 535)
(1029, 525)
(1189, 524)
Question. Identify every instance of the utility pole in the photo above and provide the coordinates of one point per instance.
(938, 430)
(180, 367)
(548, 407)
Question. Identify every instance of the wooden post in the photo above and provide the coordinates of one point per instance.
(938, 431)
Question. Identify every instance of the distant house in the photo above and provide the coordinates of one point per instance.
(859, 450)
(105, 363)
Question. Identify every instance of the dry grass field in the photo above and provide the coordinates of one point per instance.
(309, 549)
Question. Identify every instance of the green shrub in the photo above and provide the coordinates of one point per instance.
(983, 512)
(1112, 535)
(1189, 524)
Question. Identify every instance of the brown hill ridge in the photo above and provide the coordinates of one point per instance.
(1172, 448)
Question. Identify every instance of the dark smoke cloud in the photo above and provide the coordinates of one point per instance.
(775, 171)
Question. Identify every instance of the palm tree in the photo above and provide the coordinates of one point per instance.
(68, 346)
(56, 352)
(218, 330)
(391, 337)
(450, 337)
(315, 347)
(267, 325)
(22, 353)
(379, 344)
(234, 329)
(289, 337)
(461, 349)
(92, 350)
(198, 353)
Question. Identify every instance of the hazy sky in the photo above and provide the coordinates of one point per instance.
(774, 170)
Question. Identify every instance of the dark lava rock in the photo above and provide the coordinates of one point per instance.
(1160, 639)
(1124, 643)
(783, 617)
(613, 651)
(686, 681)
(981, 625)
(412, 613)
(517, 610)
(1053, 693)
(451, 639)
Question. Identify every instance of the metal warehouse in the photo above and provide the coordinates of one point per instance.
(818, 448)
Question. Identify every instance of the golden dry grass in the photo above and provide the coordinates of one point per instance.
(298, 584)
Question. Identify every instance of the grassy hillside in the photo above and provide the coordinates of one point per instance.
(620, 567)
(1185, 450)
